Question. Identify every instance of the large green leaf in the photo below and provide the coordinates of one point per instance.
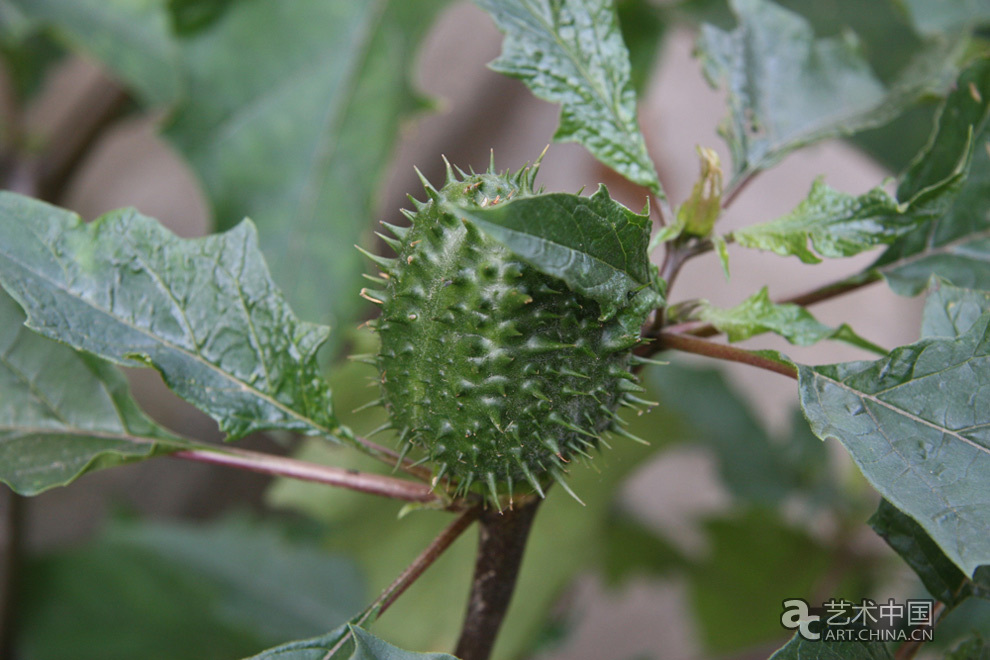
(231, 587)
(594, 244)
(950, 311)
(64, 413)
(360, 645)
(801, 649)
(788, 89)
(292, 114)
(975, 648)
(916, 422)
(955, 245)
(204, 312)
(941, 577)
(758, 314)
(133, 39)
(571, 52)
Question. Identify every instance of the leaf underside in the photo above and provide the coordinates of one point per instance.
(788, 89)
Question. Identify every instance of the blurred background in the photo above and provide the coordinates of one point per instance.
(694, 563)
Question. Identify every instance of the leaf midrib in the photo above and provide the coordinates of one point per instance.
(181, 349)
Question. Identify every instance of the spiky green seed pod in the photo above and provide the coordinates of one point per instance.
(498, 373)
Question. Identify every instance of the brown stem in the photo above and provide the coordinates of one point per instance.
(375, 484)
(502, 540)
(13, 525)
(412, 572)
(835, 289)
(910, 647)
(690, 344)
(426, 558)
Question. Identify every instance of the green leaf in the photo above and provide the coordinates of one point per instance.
(231, 588)
(632, 549)
(595, 245)
(754, 466)
(571, 52)
(836, 224)
(751, 569)
(758, 314)
(801, 649)
(204, 312)
(947, 16)
(915, 422)
(940, 576)
(362, 645)
(788, 89)
(950, 311)
(291, 119)
(975, 648)
(643, 26)
(64, 413)
(133, 39)
(955, 245)
(191, 16)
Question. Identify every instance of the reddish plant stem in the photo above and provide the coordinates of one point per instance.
(909, 648)
(690, 344)
(289, 467)
(426, 558)
(502, 542)
(412, 572)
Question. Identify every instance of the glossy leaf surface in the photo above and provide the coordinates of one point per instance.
(572, 53)
(204, 312)
(595, 245)
(758, 314)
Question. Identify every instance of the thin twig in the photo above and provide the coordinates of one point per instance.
(375, 484)
(426, 558)
(500, 551)
(690, 344)
(412, 572)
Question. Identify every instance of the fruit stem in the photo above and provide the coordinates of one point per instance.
(502, 540)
